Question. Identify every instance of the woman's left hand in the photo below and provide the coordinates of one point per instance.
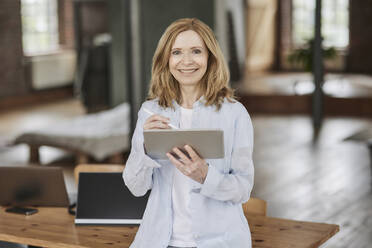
(194, 167)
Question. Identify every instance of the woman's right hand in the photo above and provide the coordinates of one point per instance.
(156, 122)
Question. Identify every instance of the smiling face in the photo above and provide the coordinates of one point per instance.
(189, 58)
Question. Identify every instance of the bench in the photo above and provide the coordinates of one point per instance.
(100, 136)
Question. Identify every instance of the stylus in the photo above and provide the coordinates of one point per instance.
(151, 113)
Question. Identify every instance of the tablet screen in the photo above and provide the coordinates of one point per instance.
(208, 143)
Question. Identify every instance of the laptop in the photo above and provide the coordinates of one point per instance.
(103, 199)
(33, 186)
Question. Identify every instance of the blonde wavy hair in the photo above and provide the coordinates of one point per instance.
(214, 85)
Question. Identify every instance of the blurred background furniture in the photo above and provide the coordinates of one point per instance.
(101, 135)
(93, 48)
(255, 206)
(364, 136)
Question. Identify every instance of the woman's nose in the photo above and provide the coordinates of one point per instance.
(187, 59)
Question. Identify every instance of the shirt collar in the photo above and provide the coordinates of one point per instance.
(201, 101)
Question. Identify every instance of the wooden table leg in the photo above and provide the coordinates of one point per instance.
(82, 158)
(34, 154)
(116, 158)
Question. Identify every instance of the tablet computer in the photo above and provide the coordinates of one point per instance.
(208, 143)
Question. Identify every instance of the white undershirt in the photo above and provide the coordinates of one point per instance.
(182, 233)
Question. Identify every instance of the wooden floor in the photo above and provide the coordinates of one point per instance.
(323, 180)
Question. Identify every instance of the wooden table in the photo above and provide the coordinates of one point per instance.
(54, 227)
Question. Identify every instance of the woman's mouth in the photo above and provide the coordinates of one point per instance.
(187, 70)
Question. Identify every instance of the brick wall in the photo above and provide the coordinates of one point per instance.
(12, 81)
(14, 74)
(360, 47)
(92, 20)
(66, 23)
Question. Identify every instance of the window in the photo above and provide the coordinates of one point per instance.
(39, 26)
(335, 22)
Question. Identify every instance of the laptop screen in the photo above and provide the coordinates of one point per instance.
(103, 198)
(33, 186)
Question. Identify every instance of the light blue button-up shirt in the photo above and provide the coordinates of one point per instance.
(218, 220)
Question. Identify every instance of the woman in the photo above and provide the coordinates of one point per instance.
(194, 202)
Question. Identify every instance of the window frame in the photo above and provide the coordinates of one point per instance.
(325, 24)
(40, 27)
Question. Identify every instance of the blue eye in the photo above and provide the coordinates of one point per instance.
(176, 52)
(197, 51)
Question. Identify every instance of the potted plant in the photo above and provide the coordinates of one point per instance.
(304, 55)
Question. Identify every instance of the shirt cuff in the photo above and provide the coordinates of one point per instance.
(211, 182)
(147, 163)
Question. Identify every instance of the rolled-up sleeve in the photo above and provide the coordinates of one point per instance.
(139, 168)
(237, 185)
